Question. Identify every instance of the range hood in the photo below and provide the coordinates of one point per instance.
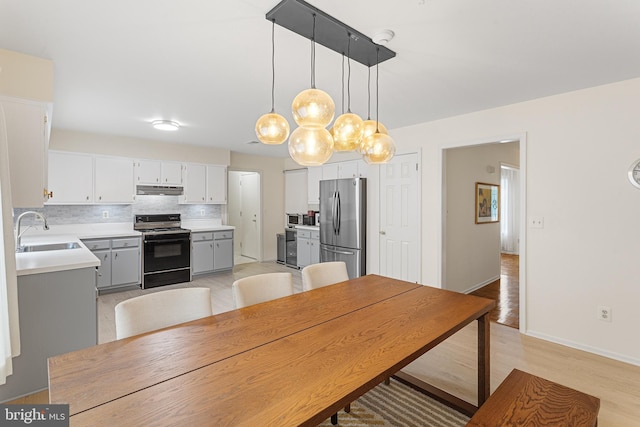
(159, 190)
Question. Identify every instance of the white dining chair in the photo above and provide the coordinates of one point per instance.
(323, 274)
(158, 310)
(261, 287)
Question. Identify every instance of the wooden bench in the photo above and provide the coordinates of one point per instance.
(526, 400)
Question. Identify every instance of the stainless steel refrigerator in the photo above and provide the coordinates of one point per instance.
(343, 220)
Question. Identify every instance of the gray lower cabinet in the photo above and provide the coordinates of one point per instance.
(211, 251)
(308, 247)
(202, 252)
(57, 315)
(120, 261)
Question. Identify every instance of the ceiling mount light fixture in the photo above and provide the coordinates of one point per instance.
(272, 128)
(311, 144)
(167, 125)
(383, 37)
(379, 147)
(348, 128)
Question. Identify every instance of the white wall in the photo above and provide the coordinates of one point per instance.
(472, 250)
(25, 76)
(579, 146)
(113, 145)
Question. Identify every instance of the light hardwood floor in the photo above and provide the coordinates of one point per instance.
(452, 365)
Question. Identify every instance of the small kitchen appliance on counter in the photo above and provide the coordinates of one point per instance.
(166, 250)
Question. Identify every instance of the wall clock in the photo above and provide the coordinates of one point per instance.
(634, 174)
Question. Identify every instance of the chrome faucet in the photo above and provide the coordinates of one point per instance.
(19, 234)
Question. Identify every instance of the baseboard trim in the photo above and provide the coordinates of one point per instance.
(480, 285)
(587, 348)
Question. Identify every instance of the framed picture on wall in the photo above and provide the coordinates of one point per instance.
(487, 203)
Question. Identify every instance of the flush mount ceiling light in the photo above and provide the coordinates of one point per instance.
(314, 109)
(272, 128)
(165, 125)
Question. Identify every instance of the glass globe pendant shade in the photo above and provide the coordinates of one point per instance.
(310, 146)
(347, 132)
(369, 128)
(378, 148)
(272, 128)
(313, 108)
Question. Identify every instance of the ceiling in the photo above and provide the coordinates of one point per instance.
(120, 64)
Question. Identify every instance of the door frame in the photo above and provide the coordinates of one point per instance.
(260, 206)
(522, 139)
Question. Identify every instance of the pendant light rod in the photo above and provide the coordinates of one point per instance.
(349, 74)
(377, 94)
(369, 93)
(273, 65)
(342, 84)
(294, 15)
(313, 54)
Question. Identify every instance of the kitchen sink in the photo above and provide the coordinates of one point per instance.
(49, 247)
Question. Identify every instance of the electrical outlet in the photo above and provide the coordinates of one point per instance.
(105, 214)
(201, 212)
(604, 313)
(536, 222)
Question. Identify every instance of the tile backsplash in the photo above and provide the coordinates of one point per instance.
(90, 214)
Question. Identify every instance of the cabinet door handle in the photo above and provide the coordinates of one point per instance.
(116, 255)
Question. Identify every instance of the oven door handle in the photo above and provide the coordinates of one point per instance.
(166, 240)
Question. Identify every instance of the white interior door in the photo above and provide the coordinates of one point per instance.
(400, 218)
(250, 208)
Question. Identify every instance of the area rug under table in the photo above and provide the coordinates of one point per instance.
(398, 405)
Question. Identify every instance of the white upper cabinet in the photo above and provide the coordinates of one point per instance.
(77, 179)
(330, 171)
(27, 127)
(171, 173)
(205, 184)
(216, 184)
(314, 175)
(113, 180)
(70, 178)
(195, 180)
(295, 191)
(156, 172)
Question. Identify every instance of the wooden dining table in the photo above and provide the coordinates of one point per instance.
(291, 361)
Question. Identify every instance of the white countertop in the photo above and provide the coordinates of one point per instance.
(50, 261)
(197, 225)
(308, 227)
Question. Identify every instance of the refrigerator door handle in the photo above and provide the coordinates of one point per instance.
(338, 252)
(338, 212)
(334, 211)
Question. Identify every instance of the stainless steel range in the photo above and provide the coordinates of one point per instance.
(166, 250)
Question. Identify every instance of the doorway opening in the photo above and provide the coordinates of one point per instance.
(244, 209)
(485, 259)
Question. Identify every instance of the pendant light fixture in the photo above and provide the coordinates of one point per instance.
(378, 147)
(348, 128)
(313, 109)
(370, 126)
(272, 128)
